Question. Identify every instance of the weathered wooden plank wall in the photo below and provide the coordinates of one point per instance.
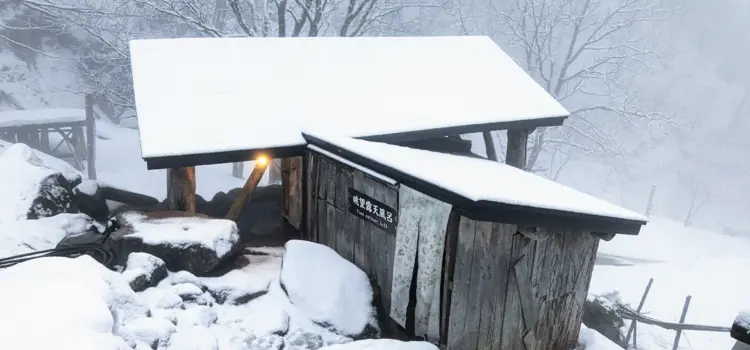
(291, 182)
(510, 292)
(330, 223)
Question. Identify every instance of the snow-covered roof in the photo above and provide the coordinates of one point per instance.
(200, 96)
(23, 117)
(490, 190)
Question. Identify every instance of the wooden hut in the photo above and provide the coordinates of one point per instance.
(467, 252)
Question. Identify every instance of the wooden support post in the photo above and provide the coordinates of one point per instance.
(515, 155)
(489, 145)
(247, 191)
(181, 189)
(632, 329)
(91, 141)
(682, 320)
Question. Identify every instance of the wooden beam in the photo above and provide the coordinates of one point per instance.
(247, 191)
(91, 138)
(181, 189)
(515, 155)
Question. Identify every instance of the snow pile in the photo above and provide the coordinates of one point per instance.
(19, 237)
(21, 186)
(73, 300)
(385, 344)
(318, 281)
(590, 339)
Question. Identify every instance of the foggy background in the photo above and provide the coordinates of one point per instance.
(659, 91)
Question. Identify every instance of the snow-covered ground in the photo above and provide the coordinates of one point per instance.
(708, 266)
(683, 261)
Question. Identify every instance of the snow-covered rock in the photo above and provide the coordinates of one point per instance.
(600, 314)
(144, 270)
(90, 200)
(34, 188)
(741, 327)
(19, 237)
(153, 331)
(330, 290)
(382, 344)
(184, 242)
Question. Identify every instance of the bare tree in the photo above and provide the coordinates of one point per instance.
(585, 53)
(699, 197)
(106, 27)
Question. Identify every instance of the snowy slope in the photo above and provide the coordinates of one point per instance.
(709, 266)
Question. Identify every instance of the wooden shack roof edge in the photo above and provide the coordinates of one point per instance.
(196, 159)
(491, 211)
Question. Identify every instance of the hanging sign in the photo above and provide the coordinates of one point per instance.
(374, 211)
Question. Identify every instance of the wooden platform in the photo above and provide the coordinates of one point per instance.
(34, 126)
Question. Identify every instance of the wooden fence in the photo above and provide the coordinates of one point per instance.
(636, 316)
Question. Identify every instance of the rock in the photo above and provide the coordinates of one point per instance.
(144, 270)
(180, 277)
(37, 187)
(187, 291)
(25, 236)
(334, 293)
(55, 196)
(90, 201)
(600, 314)
(194, 243)
(89, 236)
(300, 340)
(150, 330)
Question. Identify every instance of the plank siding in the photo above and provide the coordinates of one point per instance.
(331, 224)
(510, 292)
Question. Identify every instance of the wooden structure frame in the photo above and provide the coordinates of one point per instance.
(36, 135)
(512, 276)
(501, 288)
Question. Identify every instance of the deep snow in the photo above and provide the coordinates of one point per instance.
(690, 261)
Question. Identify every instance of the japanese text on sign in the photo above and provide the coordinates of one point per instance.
(367, 208)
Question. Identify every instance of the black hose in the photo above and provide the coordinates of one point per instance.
(96, 250)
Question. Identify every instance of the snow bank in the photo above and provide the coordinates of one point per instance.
(318, 282)
(387, 344)
(590, 339)
(75, 302)
(21, 185)
(18, 237)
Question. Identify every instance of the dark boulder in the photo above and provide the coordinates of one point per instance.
(143, 271)
(89, 199)
(190, 242)
(600, 314)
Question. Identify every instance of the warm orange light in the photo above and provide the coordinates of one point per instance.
(262, 161)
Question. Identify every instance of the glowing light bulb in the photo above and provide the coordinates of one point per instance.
(262, 160)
